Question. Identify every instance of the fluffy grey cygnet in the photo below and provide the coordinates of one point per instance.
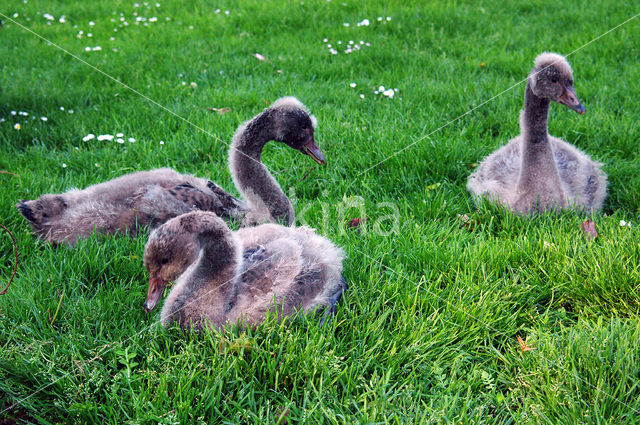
(536, 172)
(152, 197)
(230, 278)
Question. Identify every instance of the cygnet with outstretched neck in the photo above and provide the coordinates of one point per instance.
(536, 172)
(150, 198)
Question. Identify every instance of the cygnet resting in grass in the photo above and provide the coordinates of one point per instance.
(224, 277)
(153, 197)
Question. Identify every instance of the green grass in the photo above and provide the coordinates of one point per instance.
(427, 332)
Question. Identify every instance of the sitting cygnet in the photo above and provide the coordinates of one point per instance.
(224, 277)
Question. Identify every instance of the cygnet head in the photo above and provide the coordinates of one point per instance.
(176, 245)
(552, 78)
(294, 126)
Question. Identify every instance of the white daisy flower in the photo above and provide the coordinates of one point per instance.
(88, 137)
(105, 137)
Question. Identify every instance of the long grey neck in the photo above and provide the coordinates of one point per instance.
(210, 286)
(537, 156)
(250, 175)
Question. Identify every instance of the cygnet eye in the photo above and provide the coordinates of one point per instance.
(164, 261)
(554, 79)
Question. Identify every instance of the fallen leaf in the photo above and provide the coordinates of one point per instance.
(467, 222)
(524, 346)
(283, 415)
(589, 229)
(221, 111)
(237, 346)
(481, 64)
(433, 186)
(464, 218)
(7, 172)
(356, 222)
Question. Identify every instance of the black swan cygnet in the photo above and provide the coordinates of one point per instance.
(152, 197)
(536, 172)
(224, 277)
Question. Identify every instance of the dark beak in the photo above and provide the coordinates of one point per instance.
(312, 149)
(156, 288)
(570, 99)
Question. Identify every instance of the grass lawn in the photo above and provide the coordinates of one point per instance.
(428, 329)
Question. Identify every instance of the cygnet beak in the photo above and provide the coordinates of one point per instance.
(311, 148)
(570, 99)
(156, 288)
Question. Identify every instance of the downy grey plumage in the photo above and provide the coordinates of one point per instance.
(536, 172)
(150, 198)
(228, 278)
